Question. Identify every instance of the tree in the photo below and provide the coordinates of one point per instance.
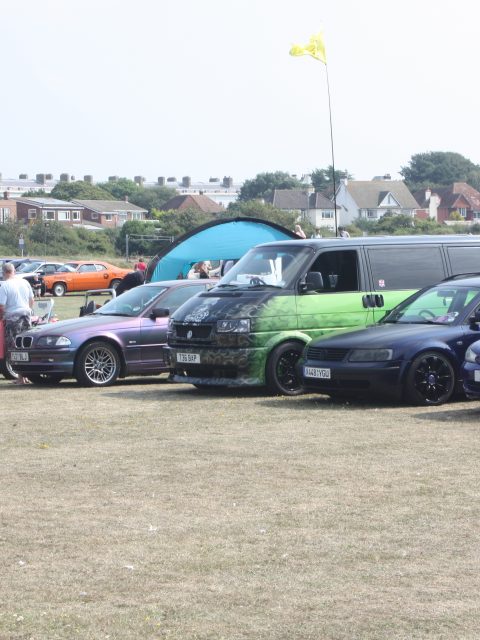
(121, 188)
(440, 169)
(257, 209)
(322, 179)
(152, 197)
(264, 184)
(79, 190)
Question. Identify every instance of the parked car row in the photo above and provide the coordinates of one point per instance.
(339, 317)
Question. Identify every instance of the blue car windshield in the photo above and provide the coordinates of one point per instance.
(131, 303)
(443, 304)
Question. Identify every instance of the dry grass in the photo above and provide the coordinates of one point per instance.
(149, 510)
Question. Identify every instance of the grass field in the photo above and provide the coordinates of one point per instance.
(150, 510)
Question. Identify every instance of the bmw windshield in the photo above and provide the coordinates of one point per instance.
(268, 266)
(131, 303)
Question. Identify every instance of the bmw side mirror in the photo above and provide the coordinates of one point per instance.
(159, 312)
(475, 319)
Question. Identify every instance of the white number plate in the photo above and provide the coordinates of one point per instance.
(188, 358)
(19, 356)
(316, 372)
(476, 375)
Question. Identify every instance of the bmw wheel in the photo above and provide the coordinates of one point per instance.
(430, 379)
(98, 365)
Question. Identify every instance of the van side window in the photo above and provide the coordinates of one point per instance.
(339, 270)
(464, 259)
(410, 267)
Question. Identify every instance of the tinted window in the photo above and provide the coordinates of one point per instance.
(464, 259)
(410, 267)
(339, 270)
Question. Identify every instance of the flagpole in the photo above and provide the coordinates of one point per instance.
(333, 155)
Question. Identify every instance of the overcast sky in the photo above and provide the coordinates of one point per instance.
(206, 88)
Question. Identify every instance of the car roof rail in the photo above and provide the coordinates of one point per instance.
(457, 276)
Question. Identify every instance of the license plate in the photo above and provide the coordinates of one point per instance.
(188, 358)
(316, 372)
(476, 375)
(19, 356)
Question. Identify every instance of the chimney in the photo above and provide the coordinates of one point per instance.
(64, 177)
(387, 176)
(23, 176)
(186, 182)
(5, 195)
(161, 181)
(139, 180)
(428, 194)
(40, 178)
(171, 179)
(227, 182)
(88, 179)
(113, 178)
(48, 176)
(214, 180)
(125, 198)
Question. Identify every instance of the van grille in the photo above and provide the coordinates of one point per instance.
(320, 353)
(186, 333)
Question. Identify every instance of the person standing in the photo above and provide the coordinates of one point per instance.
(343, 233)
(300, 232)
(16, 302)
(131, 280)
(140, 265)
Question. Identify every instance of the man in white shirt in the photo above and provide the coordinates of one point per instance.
(16, 301)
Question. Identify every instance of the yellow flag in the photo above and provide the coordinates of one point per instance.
(314, 48)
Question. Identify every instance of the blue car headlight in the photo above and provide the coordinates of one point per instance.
(54, 341)
(472, 356)
(241, 325)
(371, 355)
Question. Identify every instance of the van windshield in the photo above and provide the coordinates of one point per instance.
(268, 267)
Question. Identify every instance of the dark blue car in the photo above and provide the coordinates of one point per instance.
(414, 353)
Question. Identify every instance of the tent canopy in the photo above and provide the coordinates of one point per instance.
(218, 240)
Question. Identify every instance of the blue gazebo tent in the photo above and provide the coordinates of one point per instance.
(218, 240)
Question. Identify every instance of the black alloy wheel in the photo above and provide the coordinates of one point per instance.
(430, 379)
(281, 375)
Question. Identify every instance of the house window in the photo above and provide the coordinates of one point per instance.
(5, 214)
(476, 215)
(32, 214)
(107, 217)
(463, 212)
(327, 214)
(94, 215)
(372, 213)
(63, 215)
(75, 215)
(49, 215)
(136, 215)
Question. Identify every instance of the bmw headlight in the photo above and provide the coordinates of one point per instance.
(170, 325)
(472, 356)
(371, 355)
(241, 325)
(54, 341)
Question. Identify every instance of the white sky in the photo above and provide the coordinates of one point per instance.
(206, 88)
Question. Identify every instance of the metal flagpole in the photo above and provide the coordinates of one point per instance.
(333, 155)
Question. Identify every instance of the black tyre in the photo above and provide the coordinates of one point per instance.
(430, 379)
(59, 289)
(114, 283)
(45, 378)
(6, 369)
(280, 373)
(98, 365)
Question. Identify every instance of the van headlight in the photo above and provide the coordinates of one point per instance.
(242, 325)
(371, 355)
(472, 356)
(54, 341)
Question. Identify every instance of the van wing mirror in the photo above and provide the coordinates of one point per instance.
(313, 281)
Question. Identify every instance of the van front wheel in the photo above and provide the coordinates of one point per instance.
(281, 375)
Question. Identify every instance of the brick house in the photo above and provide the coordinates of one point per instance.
(8, 209)
(30, 210)
(460, 197)
(110, 213)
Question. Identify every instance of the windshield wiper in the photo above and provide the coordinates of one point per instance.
(261, 285)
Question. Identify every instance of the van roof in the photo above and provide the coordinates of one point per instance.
(378, 240)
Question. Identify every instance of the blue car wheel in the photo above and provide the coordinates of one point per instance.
(430, 379)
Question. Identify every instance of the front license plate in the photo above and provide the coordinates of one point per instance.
(188, 358)
(476, 375)
(316, 372)
(19, 356)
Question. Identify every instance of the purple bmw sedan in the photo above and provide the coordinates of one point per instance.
(123, 338)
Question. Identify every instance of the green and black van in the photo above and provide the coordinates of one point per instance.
(251, 328)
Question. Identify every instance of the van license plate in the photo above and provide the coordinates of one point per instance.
(316, 372)
(188, 358)
(19, 356)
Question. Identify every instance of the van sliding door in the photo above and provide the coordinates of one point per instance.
(397, 271)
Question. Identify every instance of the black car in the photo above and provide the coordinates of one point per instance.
(414, 353)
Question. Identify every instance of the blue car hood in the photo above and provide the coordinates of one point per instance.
(84, 323)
